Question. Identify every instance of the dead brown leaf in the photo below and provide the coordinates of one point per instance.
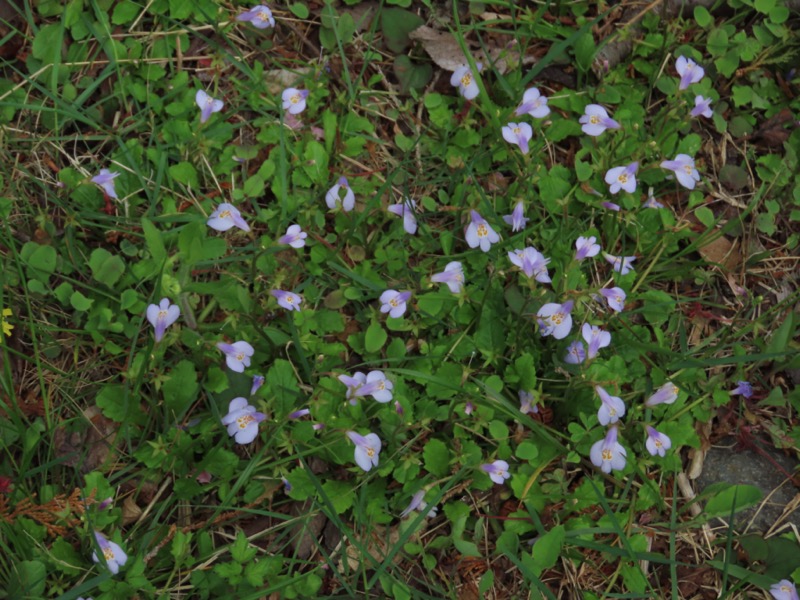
(446, 52)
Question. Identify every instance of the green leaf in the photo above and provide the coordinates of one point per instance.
(340, 494)
(779, 341)
(585, 49)
(547, 549)
(526, 369)
(299, 10)
(47, 44)
(316, 162)
(41, 260)
(241, 550)
(396, 24)
(153, 240)
(181, 388)
(106, 268)
(80, 302)
(527, 451)
(185, 173)
(436, 457)
(375, 337)
(733, 499)
(411, 75)
(27, 579)
(705, 216)
(125, 12)
(702, 17)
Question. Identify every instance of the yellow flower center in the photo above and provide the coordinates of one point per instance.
(612, 412)
(245, 421)
(623, 178)
(466, 79)
(108, 554)
(295, 99)
(594, 119)
(688, 169)
(240, 356)
(516, 130)
(675, 390)
(370, 452)
(225, 214)
(458, 277)
(557, 318)
(394, 302)
(263, 15)
(162, 314)
(657, 442)
(607, 455)
(382, 385)
(483, 231)
(290, 299)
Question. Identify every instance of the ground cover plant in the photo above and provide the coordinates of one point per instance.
(402, 299)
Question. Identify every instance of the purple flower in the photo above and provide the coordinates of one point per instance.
(237, 355)
(555, 319)
(287, 300)
(162, 315)
(610, 206)
(651, 201)
(519, 134)
(622, 178)
(532, 262)
(294, 100)
(702, 106)
(225, 217)
(242, 421)
(258, 381)
(498, 471)
(608, 453)
(260, 16)
(294, 236)
(596, 338)
(286, 484)
(418, 504)
(575, 353)
(742, 387)
(784, 590)
(621, 264)
(683, 167)
(586, 247)
(332, 197)
(533, 104)
(615, 297)
(113, 555)
(453, 276)
(480, 233)
(596, 120)
(463, 79)
(353, 384)
(657, 443)
(398, 408)
(468, 408)
(689, 71)
(611, 408)
(406, 209)
(299, 413)
(318, 426)
(666, 394)
(105, 503)
(207, 105)
(527, 403)
(368, 448)
(394, 303)
(106, 181)
(517, 218)
(377, 386)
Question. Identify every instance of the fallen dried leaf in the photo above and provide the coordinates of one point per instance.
(444, 49)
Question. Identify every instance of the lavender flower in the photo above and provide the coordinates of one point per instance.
(161, 316)
(242, 421)
(555, 319)
(394, 303)
(657, 443)
(586, 247)
(406, 209)
(294, 236)
(498, 471)
(651, 201)
(353, 384)
(463, 79)
(106, 181)
(622, 178)
(237, 355)
(287, 300)
(689, 71)
(533, 104)
(519, 134)
(417, 503)
(207, 105)
(575, 353)
(527, 403)
(332, 197)
(784, 590)
(683, 167)
(298, 414)
(702, 107)
(453, 276)
(596, 338)
(258, 381)
(615, 297)
(612, 408)
(621, 264)
(377, 386)
(742, 387)
(480, 233)
(666, 394)
(294, 100)
(608, 453)
(532, 262)
(113, 555)
(517, 218)
(259, 16)
(468, 408)
(225, 217)
(368, 448)
(596, 120)
(610, 206)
